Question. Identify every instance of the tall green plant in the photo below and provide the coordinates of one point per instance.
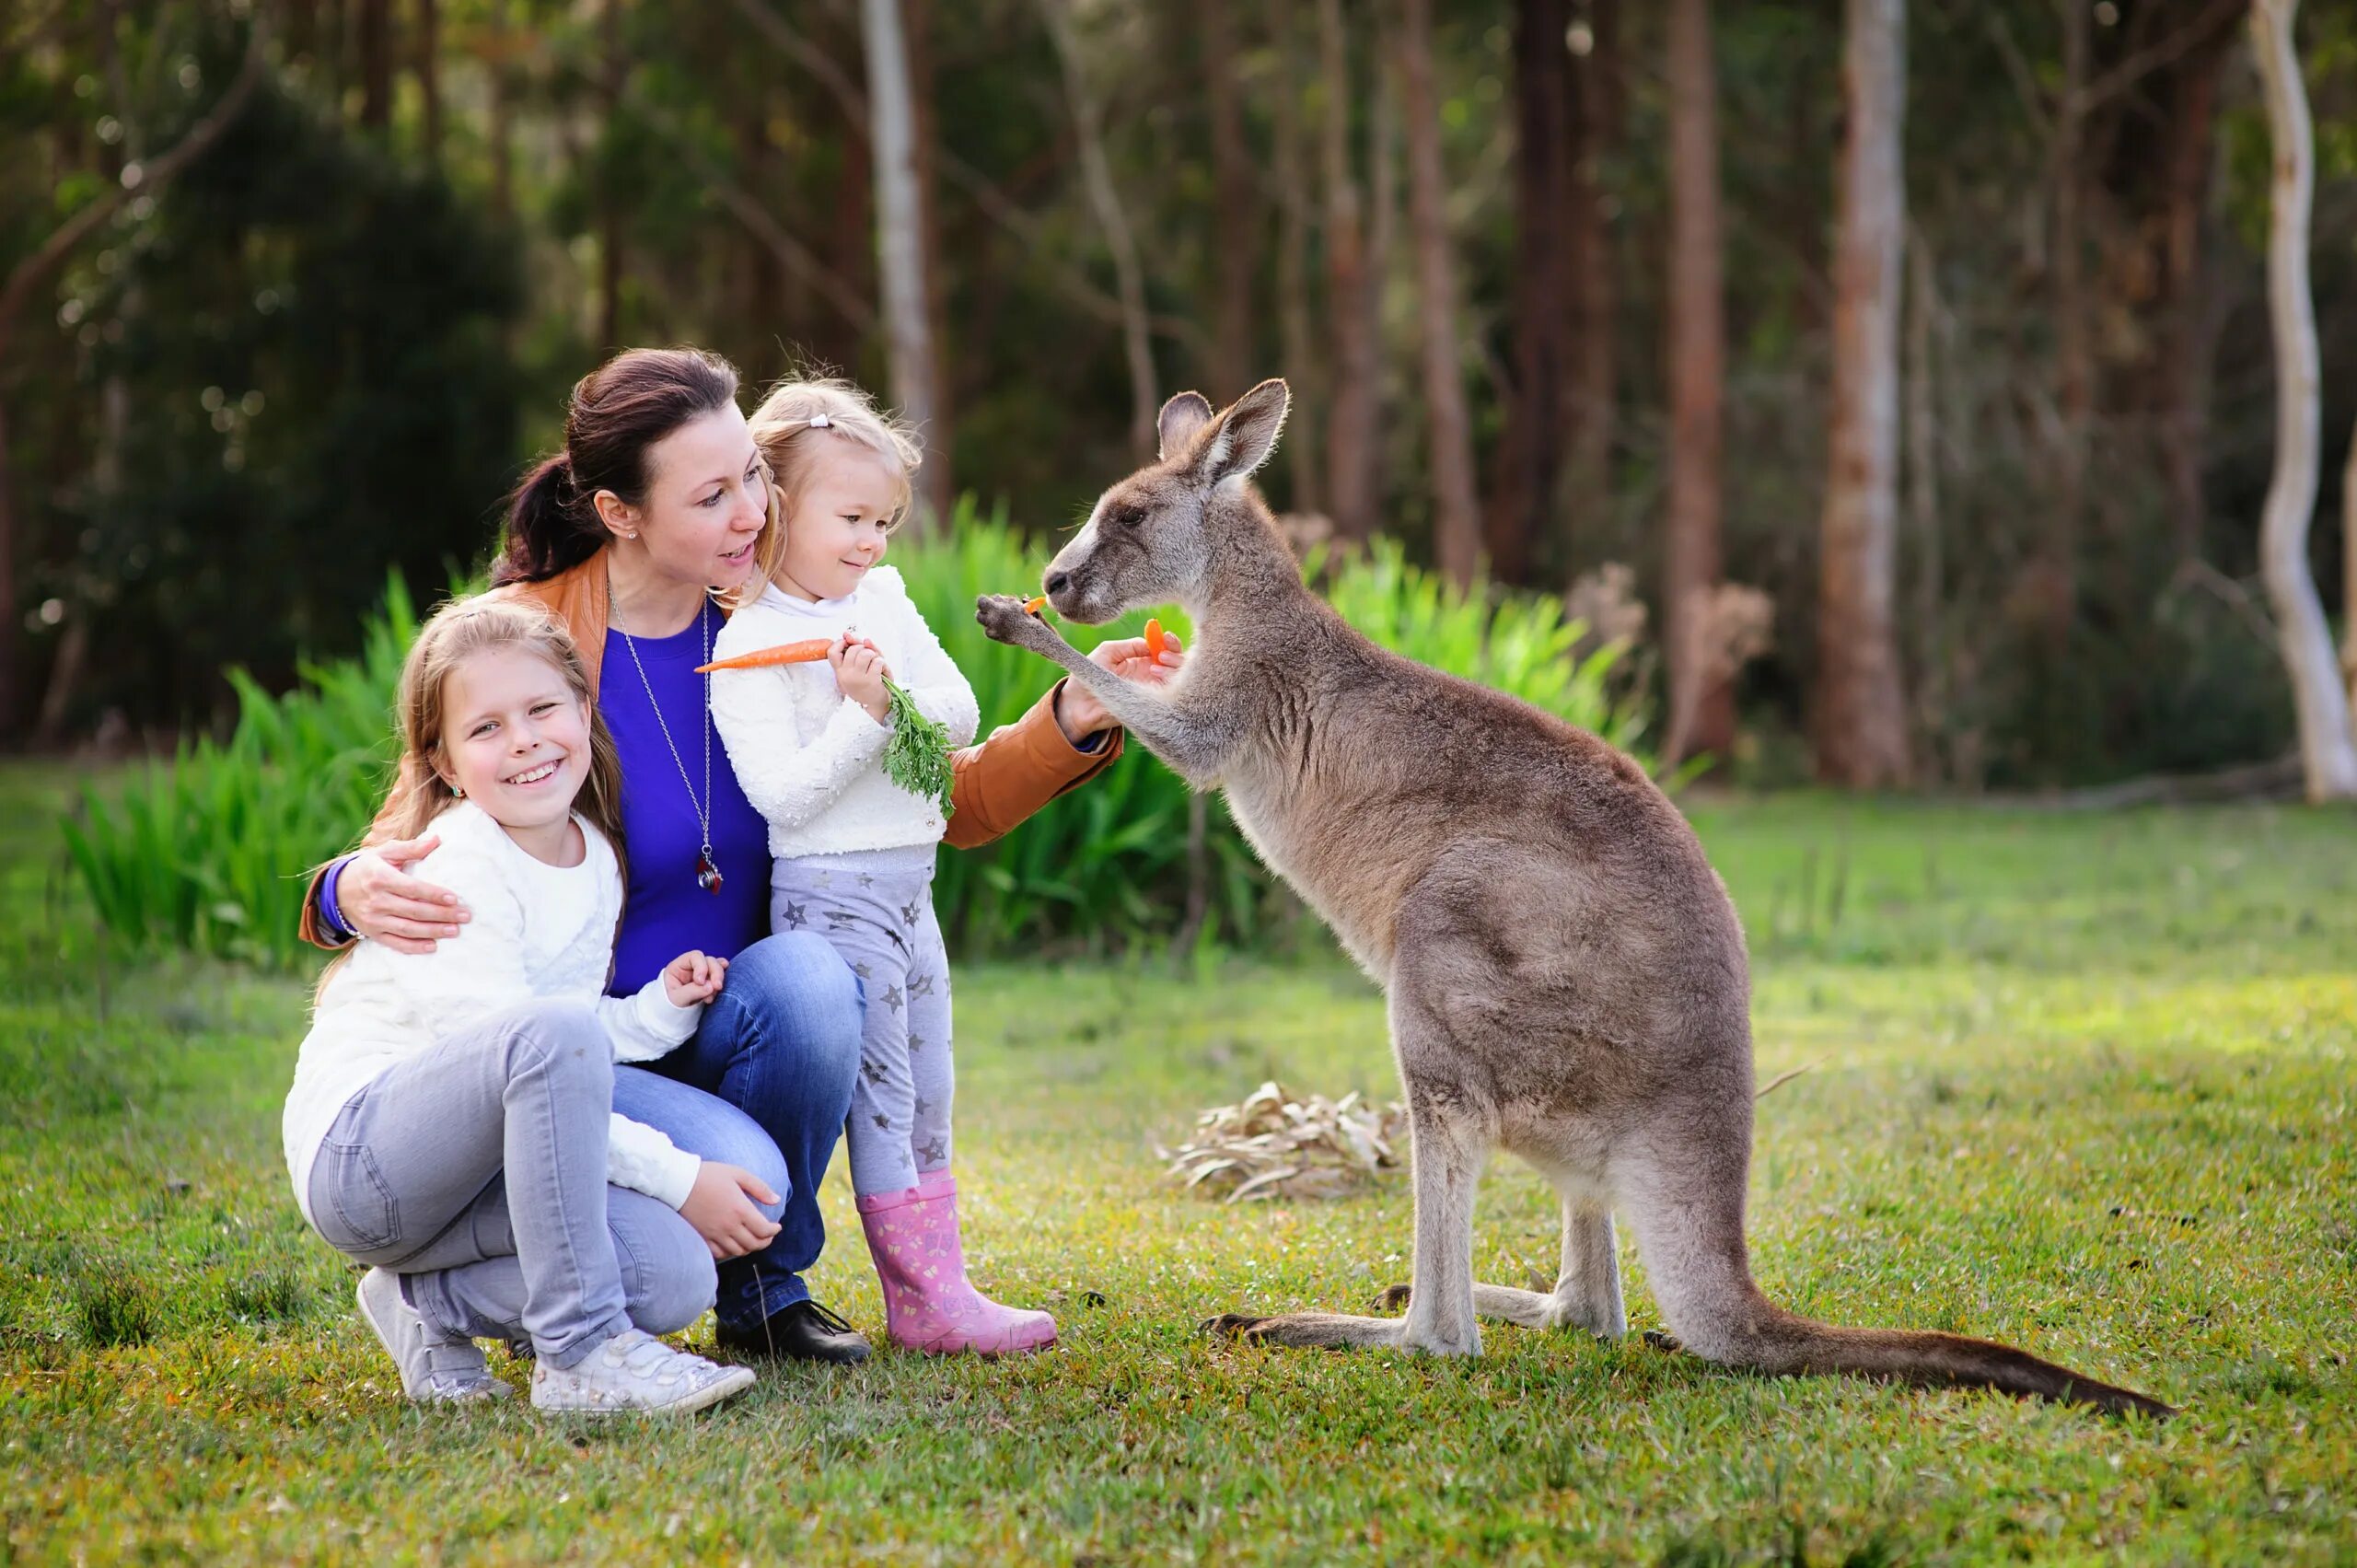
(210, 850)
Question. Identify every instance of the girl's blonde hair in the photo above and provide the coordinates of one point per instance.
(802, 420)
(455, 634)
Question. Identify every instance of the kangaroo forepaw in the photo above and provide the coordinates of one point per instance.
(1660, 1341)
(1393, 1298)
(1230, 1325)
(1003, 620)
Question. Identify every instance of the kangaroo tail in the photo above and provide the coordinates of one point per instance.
(1701, 1276)
(1782, 1342)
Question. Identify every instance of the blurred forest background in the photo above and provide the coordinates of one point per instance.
(1563, 287)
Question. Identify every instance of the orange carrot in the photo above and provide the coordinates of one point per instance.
(1155, 639)
(810, 650)
(1031, 606)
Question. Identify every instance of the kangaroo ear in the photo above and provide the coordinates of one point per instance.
(1248, 432)
(1182, 418)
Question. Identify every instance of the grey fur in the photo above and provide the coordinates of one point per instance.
(1566, 974)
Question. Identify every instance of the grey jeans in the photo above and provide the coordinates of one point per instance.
(476, 1170)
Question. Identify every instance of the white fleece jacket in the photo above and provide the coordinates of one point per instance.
(810, 759)
(538, 931)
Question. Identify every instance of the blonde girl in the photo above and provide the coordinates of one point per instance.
(451, 1121)
(852, 852)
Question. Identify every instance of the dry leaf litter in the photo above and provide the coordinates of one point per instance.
(1278, 1145)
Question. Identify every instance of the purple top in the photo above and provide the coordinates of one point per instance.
(665, 912)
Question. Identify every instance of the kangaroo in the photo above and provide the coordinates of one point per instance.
(1565, 973)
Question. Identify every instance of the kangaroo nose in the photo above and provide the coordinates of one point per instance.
(1058, 581)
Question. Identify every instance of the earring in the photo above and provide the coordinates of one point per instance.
(457, 793)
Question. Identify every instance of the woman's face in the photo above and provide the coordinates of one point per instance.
(705, 504)
(834, 530)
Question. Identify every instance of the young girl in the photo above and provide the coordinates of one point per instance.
(451, 1119)
(853, 851)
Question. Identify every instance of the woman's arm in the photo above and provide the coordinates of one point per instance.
(1026, 764)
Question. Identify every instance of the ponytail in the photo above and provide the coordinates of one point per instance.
(550, 528)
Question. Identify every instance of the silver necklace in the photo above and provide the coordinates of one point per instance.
(707, 870)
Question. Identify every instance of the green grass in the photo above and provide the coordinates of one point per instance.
(2083, 1084)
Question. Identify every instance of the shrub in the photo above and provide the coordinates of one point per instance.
(209, 850)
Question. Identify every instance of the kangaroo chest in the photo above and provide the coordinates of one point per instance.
(1353, 885)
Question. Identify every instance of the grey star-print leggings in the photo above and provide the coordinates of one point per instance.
(875, 906)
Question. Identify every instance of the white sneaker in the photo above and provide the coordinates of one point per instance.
(432, 1373)
(636, 1372)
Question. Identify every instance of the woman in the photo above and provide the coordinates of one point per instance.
(657, 506)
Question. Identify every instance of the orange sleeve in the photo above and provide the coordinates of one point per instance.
(1020, 768)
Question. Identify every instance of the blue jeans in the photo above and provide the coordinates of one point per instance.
(765, 1082)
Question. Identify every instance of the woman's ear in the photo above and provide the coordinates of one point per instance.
(619, 515)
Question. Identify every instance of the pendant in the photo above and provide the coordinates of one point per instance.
(707, 874)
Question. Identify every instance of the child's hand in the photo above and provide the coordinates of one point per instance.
(720, 1205)
(693, 977)
(860, 673)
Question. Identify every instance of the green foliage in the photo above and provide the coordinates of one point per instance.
(210, 851)
(310, 338)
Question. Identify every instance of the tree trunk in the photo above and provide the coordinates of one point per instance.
(2054, 559)
(899, 223)
(503, 119)
(936, 480)
(429, 76)
(2327, 749)
(1592, 381)
(1129, 273)
(1702, 701)
(1294, 311)
(1861, 716)
(1923, 504)
(2349, 574)
(2189, 140)
(1456, 514)
(1528, 462)
(1235, 210)
(610, 205)
(375, 39)
(1351, 455)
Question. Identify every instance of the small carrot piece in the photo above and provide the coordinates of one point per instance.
(810, 650)
(1031, 606)
(1156, 639)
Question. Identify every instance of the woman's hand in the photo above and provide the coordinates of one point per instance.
(1078, 712)
(382, 901)
(693, 977)
(860, 673)
(720, 1205)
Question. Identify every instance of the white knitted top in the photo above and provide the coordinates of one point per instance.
(538, 931)
(809, 758)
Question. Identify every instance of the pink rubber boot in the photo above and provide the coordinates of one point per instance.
(928, 1304)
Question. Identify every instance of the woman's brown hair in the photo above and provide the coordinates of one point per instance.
(614, 418)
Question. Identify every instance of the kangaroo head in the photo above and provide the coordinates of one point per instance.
(1152, 538)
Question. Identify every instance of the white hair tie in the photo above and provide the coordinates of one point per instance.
(818, 422)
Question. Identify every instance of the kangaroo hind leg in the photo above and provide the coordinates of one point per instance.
(1586, 1294)
(1450, 1147)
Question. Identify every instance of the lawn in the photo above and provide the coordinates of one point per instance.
(2081, 1082)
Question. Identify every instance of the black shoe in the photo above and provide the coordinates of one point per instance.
(804, 1331)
